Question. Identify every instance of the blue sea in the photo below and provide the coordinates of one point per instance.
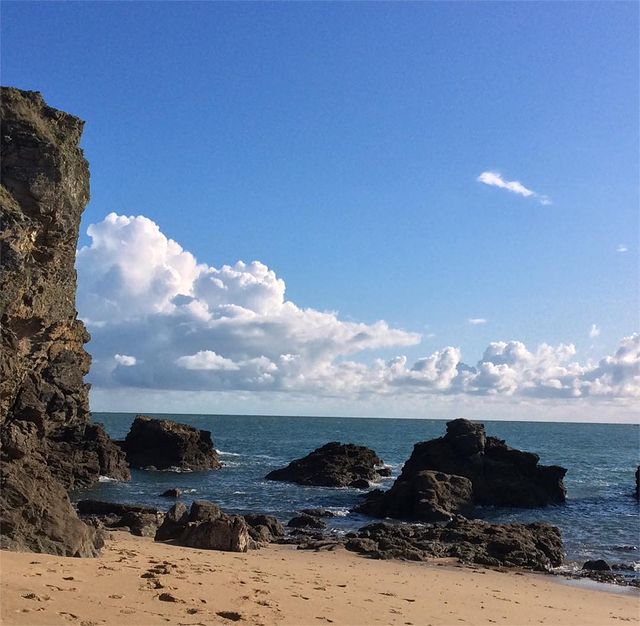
(599, 520)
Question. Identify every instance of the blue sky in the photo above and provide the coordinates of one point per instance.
(340, 145)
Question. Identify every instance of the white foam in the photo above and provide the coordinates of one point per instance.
(107, 479)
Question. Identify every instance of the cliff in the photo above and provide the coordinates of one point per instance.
(48, 443)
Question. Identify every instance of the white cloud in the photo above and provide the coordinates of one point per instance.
(495, 179)
(594, 331)
(622, 248)
(198, 328)
(477, 321)
(125, 360)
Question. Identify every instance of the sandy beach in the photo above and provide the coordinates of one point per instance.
(139, 582)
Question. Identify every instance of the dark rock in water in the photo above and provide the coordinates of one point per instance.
(426, 496)
(360, 483)
(333, 465)
(264, 528)
(501, 476)
(206, 526)
(165, 444)
(306, 521)
(598, 565)
(174, 523)
(318, 512)
(532, 546)
(140, 519)
(171, 493)
(48, 443)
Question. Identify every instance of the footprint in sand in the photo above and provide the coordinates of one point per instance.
(230, 615)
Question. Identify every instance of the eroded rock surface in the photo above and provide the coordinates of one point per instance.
(164, 444)
(334, 465)
(140, 519)
(48, 442)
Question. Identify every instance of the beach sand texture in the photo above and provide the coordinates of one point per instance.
(139, 582)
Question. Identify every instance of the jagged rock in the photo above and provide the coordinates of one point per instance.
(264, 528)
(165, 444)
(333, 465)
(174, 522)
(44, 411)
(427, 496)
(140, 519)
(318, 512)
(533, 546)
(501, 476)
(306, 521)
(171, 493)
(360, 483)
(598, 565)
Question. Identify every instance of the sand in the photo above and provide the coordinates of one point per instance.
(282, 585)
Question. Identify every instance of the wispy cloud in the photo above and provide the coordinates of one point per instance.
(476, 321)
(622, 248)
(594, 331)
(495, 179)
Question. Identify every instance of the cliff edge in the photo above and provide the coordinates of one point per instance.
(48, 444)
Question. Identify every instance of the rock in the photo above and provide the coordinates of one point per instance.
(228, 533)
(264, 528)
(532, 546)
(332, 465)
(306, 521)
(501, 476)
(598, 565)
(426, 496)
(165, 444)
(360, 483)
(48, 442)
(140, 519)
(204, 511)
(171, 493)
(174, 523)
(318, 512)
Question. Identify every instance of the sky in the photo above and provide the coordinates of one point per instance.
(387, 209)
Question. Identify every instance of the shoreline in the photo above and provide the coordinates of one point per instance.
(279, 584)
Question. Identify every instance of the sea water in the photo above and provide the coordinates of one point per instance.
(599, 520)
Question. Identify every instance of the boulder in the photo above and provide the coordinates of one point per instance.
(531, 546)
(500, 475)
(165, 444)
(426, 496)
(332, 465)
(171, 493)
(174, 523)
(140, 519)
(306, 521)
(318, 512)
(48, 443)
(228, 533)
(264, 528)
(598, 565)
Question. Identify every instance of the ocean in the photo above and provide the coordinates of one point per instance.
(599, 520)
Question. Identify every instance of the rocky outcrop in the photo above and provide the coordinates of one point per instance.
(206, 526)
(334, 465)
(531, 546)
(264, 528)
(306, 521)
(427, 496)
(48, 442)
(140, 519)
(500, 476)
(165, 444)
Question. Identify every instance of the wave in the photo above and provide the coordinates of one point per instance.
(225, 453)
(107, 479)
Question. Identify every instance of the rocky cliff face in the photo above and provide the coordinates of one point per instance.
(48, 442)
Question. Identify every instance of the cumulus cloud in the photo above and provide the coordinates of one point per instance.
(594, 331)
(476, 321)
(495, 179)
(191, 326)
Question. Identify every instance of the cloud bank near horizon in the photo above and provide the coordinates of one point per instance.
(162, 321)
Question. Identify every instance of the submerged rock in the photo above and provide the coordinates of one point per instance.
(598, 565)
(532, 546)
(165, 444)
(465, 457)
(306, 521)
(48, 442)
(333, 465)
(171, 493)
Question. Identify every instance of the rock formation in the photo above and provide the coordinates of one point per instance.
(333, 465)
(48, 442)
(498, 475)
(164, 444)
(533, 546)
(139, 519)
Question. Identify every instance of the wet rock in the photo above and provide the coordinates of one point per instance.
(333, 465)
(532, 546)
(47, 440)
(166, 444)
(360, 483)
(318, 512)
(598, 565)
(264, 528)
(306, 521)
(171, 493)
(426, 496)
